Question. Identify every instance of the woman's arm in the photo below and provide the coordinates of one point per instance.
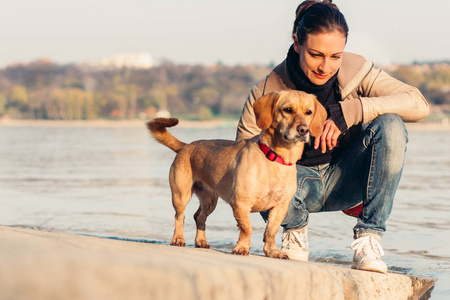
(247, 127)
(381, 94)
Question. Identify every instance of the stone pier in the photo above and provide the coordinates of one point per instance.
(47, 265)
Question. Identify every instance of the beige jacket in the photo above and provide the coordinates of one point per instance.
(366, 92)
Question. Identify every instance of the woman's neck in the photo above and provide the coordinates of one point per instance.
(325, 93)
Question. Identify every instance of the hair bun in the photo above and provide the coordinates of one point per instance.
(324, 17)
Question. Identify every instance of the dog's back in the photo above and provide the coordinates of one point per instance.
(205, 161)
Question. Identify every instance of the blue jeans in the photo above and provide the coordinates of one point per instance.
(367, 172)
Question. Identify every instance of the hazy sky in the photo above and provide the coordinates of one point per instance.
(208, 31)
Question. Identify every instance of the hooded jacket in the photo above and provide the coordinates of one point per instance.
(366, 93)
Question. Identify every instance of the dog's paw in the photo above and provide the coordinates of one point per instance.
(178, 242)
(240, 251)
(277, 254)
(202, 244)
(282, 255)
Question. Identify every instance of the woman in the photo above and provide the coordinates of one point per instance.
(357, 163)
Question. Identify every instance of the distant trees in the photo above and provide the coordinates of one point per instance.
(433, 80)
(43, 90)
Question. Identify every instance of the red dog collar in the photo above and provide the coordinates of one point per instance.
(272, 156)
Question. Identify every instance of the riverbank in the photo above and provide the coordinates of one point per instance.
(49, 265)
(216, 123)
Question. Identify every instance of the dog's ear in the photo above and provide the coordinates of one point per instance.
(320, 116)
(264, 109)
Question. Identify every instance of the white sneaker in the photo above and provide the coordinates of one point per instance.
(294, 243)
(368, 254)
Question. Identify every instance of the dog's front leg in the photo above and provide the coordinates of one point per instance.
(276, 217)
(242, 216)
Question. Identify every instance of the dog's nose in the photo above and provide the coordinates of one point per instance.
(302, 129)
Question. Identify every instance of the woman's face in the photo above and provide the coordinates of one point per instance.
(321, 55)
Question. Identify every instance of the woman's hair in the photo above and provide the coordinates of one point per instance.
(318, 17)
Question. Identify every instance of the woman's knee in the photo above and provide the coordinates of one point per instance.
(391, 128)
(391, 137)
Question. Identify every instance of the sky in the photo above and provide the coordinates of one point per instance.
(210, 31)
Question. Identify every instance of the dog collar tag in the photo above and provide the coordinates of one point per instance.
(272, 156)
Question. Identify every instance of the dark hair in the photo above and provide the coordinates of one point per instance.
(318, 17)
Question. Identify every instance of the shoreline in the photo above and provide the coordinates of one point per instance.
(216, 123)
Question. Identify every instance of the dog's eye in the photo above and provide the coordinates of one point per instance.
(308, 112)
(287, 110)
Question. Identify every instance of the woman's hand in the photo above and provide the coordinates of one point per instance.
(329, 137)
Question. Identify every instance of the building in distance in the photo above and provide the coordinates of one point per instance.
(127, 60)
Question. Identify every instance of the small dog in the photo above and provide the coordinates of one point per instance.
(252, 175)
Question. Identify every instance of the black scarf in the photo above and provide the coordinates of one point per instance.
(327, 94)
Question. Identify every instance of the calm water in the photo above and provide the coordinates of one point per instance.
(112, 182)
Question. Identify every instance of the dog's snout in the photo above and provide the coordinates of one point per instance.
(303, 130)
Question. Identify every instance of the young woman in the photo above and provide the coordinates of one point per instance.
(357, 163)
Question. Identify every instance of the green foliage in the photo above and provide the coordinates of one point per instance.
(18, 97)
(49, 91)
(204, 113)
(2, 104)
(433, 80)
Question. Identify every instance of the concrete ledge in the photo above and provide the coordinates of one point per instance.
(42, 265)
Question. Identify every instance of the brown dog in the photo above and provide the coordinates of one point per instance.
(239, 172)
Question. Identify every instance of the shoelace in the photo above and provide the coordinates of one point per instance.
(367, 245)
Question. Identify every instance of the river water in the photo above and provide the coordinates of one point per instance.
(112, 181)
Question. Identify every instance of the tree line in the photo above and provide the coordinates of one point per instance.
(432, 79)
(44, 90)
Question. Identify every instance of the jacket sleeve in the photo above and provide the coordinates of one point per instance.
(247, 127)
(381, 94)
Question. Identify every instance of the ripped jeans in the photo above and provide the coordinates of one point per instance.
(367, 172)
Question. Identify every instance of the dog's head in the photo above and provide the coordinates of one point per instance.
(292, 114)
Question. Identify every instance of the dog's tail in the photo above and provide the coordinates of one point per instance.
(158, 130)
